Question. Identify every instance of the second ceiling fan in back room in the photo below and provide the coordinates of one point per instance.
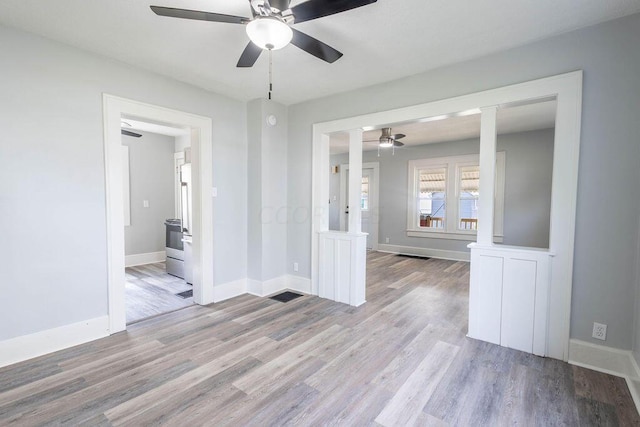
(270, 25)
(387, 140)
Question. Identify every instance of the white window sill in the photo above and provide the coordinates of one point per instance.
(468, 236)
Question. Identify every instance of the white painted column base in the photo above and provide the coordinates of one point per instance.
(343, 264)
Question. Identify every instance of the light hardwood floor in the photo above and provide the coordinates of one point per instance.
(400, 359)
(150, 291)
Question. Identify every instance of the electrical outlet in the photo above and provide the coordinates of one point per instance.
(386, 240)
(599, 331)
(295, 266)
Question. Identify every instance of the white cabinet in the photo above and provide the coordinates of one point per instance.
(509, 296)
(342, 262)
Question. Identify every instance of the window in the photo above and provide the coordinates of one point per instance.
(468, 191)
(443, 197)
(432, 198)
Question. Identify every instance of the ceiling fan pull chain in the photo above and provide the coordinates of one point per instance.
(270, 72)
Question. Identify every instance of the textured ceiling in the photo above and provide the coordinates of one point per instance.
(387, 40)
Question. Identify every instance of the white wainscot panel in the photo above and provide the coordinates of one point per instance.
(509, 297)
(342, 272)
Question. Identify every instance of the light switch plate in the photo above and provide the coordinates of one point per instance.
(214, 192)
(145, 203)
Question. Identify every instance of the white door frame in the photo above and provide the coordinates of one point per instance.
(567, 89)
(375, 196)
(201, 148)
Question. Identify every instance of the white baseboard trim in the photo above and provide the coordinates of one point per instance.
(279, 284)
(299, 284)
(612, 361)
(268, 287)
(26, 347)
(142, 259)
(254, 287)
(602, 359)
(426, 252)
(229, 290)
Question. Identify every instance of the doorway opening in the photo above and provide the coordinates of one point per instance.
(157, 192)
(199, 134)
(369, 201)
(345, 255)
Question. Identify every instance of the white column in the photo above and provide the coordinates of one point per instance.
(355, 180)
(487, 175)
(320, 195)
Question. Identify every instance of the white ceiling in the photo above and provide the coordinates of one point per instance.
(387, 40)
(521, 118)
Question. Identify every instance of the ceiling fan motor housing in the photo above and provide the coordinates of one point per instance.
(386, 140)
(279, 5)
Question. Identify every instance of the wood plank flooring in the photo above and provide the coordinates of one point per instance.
(401, 359)
(150, 291)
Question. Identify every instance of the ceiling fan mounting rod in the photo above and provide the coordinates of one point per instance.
(270, 72)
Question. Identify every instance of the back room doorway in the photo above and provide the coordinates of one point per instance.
(157, 192)
(201, 219)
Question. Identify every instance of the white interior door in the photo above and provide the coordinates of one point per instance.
(368, 204)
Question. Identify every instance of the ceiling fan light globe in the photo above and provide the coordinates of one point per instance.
(269, 33)
(386, 142)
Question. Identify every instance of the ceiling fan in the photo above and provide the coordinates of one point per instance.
(387, 140)
(270, 25)
(124, 124)
(129, 133)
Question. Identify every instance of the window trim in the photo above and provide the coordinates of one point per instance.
(452, 165)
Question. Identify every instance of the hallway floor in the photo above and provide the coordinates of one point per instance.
(149, 291)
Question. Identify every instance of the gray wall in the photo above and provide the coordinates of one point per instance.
(529, 159)
(254, 192)
(527, 189)
(151, 178)
(52, 184)
(604, 274)
(267, 227)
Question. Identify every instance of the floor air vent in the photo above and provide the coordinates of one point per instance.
(185, 294)
(286, 296)
(413, 256)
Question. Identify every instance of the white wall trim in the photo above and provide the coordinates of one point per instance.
(26, 347)
(229, 290)
(272, 286)
(279, 284)
(239, 287)
(146, 258)
(609, 360)
(426, 252)
(268, 287)
(299, 284)
(201, 145)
